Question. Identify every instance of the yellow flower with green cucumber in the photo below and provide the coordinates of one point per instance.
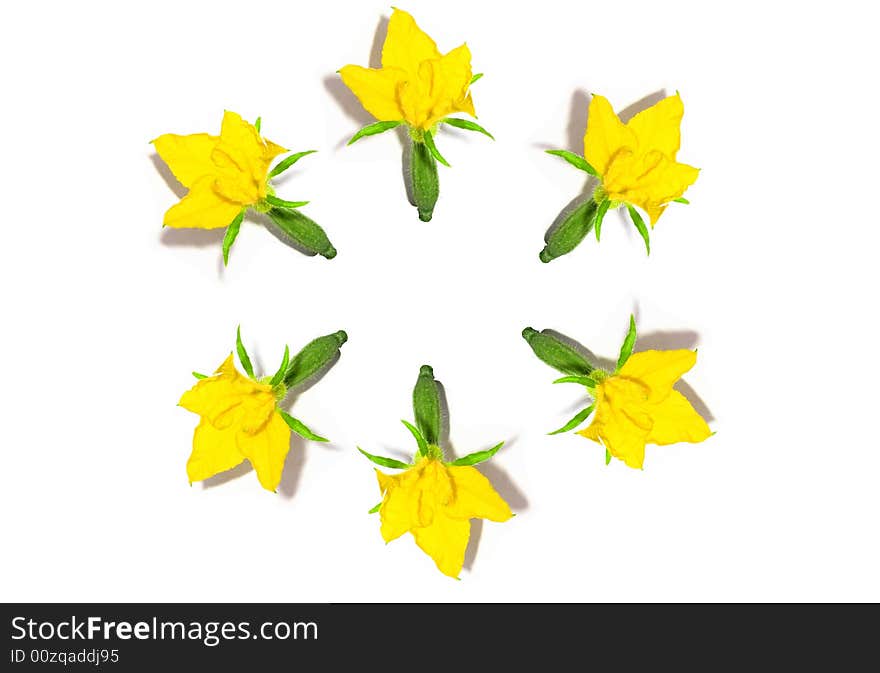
(633, 406)
(242, 415)
(634, 165)
(419, 87)
(230, 173)
(431, 498)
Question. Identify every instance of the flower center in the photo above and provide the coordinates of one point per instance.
(599, 375)
(434, 452)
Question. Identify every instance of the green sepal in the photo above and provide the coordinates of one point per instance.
(575, 160)
(230, 235)
(576, 421)
(583, 380)
(640, 225)
(375, 509)
(373, 129)
(200, 376)
(242, 354)
(476, 77)
(600, 215)
(288, 162)
(303, 230)
(557, 354)
(282, 370)
(607, 459)
(467, 125)
(477, 456)
(300, 428)
(386, 462)
(426, 406)
(570, 232)
(424, 180)
(629, 342)
(429, 142)
(284, 203)
(420, 440)
(313, 357)
(258, 124)
(683, 200)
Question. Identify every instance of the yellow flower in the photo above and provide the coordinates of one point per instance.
(435, 502)
(636, 161)
(240, 420)
(224, 173)
(416, 83)
(638, 406)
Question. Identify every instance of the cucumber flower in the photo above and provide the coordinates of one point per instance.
(241, 415)
(417, 86)
(432, 499)
(635, 165)
(229, 173)
(634, 405)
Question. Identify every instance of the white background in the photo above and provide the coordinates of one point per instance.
(771, 272)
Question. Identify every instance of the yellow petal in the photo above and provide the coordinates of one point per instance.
(658, 127)
(414, 497)
(623, 439)
(445, 541)
(229, 398)
(649, 180)
(475, 497)
(621, 422)
(243, 159)
(447, 85)
(188, 157)
(414, 95)
(214, 451)
(675, 420)
(659, 370)
(202, 208)
(398, 508)
(605, 135)
(267, 450)
(654, 212)
(375, 89)
(406, 45)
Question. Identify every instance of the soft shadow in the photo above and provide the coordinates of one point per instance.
(444, 417)
(508, 490)
(219, 479)
(406, 163)
(673, 340)
(499, 479)
(194, 238)
(640, 105)
(470, 553)
(163, 170)
(666, 341)
(293, 467)
(577, 121)
(378, 42)
(604, 363)
(296, 458)
(580, 103)
(349, 104)
(343, 95)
